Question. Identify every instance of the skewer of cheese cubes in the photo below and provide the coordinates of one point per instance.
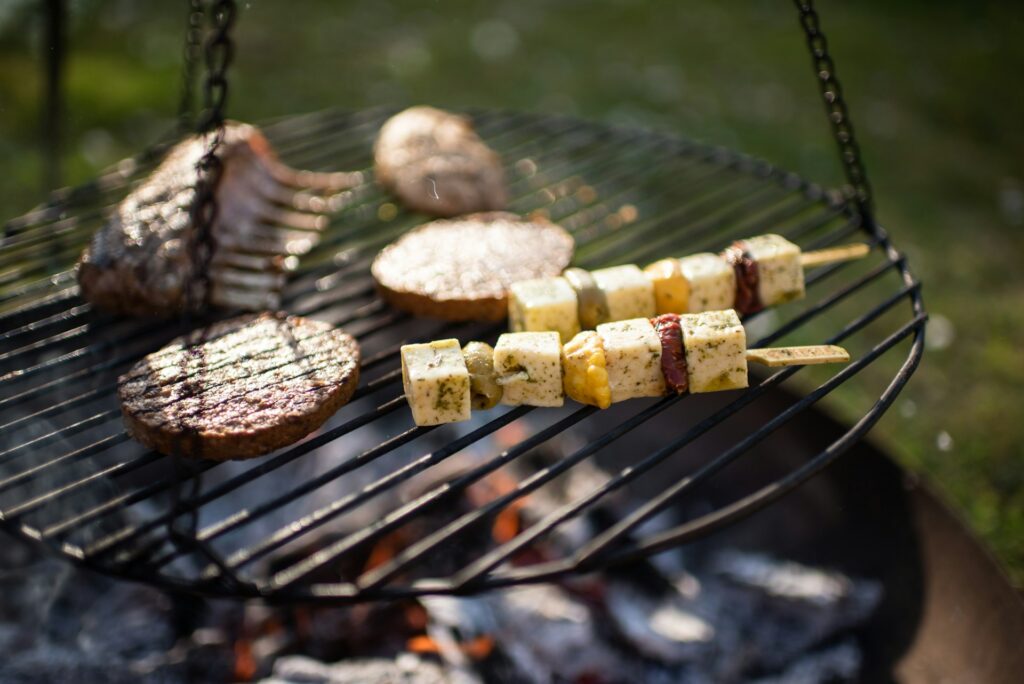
(621, 360)
(580, 299)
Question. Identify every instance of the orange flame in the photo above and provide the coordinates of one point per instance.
(245, 663)
(384, 550)
(476, 649)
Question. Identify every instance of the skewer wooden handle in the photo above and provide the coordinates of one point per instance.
(798, 356)
(822, 257)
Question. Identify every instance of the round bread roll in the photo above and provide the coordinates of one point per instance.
(461, 269)
(239, 388)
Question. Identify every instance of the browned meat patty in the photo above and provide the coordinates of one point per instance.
(240, 388)
(460, 269)
(436, 163)
(141, 262)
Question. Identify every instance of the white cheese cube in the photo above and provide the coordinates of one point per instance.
(716, 351)
(712, 282)
(627, 290)
(436, 382)
(544, 304)
(529, 368)
(632, 354)
(780, 275)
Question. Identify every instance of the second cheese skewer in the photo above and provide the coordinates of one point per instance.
(753, 274)
(695, 353)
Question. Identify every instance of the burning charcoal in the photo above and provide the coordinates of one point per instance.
(405, 669)
(841, 663)
(659, 627)
(545, 633)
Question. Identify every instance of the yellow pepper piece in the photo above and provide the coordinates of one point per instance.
(586, 378)
(671, 288)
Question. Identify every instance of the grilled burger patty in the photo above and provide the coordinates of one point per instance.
(436, 163)
(239, 388)
(461, 269)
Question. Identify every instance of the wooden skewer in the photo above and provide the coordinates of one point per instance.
(832, 255)
(798, 356)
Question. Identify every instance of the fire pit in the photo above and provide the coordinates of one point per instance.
(536, 545)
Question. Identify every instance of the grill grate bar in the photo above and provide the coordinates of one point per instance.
(64, 490)
(48, 438)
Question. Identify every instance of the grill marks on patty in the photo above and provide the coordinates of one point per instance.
(240, 388)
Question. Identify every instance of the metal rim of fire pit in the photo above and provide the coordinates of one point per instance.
(72, 479)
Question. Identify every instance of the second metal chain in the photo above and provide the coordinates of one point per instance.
(839, 117)
(190, 55)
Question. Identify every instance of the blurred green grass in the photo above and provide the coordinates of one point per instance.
(933, 87)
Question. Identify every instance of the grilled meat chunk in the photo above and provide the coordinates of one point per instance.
(436, 163)
(142, 261)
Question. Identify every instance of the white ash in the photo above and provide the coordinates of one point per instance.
(659, 627)
(782, 579)
(406, 669)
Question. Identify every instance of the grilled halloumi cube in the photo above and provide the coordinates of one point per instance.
(632, 352)
(544, 304)
(529, 368)
(780, 275)
(436, 382)
(627, 290)
(716, 351)
(671, 288)
(712, 282)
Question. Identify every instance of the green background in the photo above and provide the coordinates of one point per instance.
(934, 88)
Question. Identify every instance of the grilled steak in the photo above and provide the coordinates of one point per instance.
(436, 163)
(239, 388)
(141, 262)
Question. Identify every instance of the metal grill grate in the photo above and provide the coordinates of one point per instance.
(303, 522)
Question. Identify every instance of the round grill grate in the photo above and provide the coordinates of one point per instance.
(372, 506)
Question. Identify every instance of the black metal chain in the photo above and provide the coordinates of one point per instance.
(859, 189)
(218, 53)
(190, 55)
